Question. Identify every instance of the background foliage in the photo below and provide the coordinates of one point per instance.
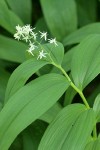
(39, 109)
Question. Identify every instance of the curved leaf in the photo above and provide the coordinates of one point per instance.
(80, 34)
(63, 22)
(86, 61)
(8, 19)
(28, 104)
(12, 50)
(61, 133)
(21, 75)
(56, 52)
(22, 8)
(86, 10)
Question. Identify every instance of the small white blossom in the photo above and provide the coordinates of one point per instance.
(27, 29)
(30, 51)
(43, 35)
(34, 35)
(32, 46)
(26, 38)
(17, 36)
(19, 29)
(53, 41)
(19, 33)
(41, 54)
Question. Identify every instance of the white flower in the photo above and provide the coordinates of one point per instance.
(17, 36)
(26, 38)
(27, 29)
(19, 33)
(53, 41)
(43, 35)
(34, 35)
(18, 28)
(30, 51)
(32, 46)
(41, 54)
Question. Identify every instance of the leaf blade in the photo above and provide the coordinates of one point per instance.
(28, 101)
(56, 21)
(83, 72)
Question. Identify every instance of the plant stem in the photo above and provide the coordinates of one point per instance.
(81, 95)
(73, 85)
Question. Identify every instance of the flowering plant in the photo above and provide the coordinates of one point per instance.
(52, 97)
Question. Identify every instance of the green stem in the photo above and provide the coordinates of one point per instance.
(73, 85)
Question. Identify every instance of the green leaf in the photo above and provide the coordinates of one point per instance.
(23, 8)
(28, 104)
(8, 19)
(62, 20)
(12, 50)
(93, 145)
(55, 52)
(21, 75)
(73, 124)
(51, 113)
(86, 10)
(86, 61)
(80, 34)
(96, 107)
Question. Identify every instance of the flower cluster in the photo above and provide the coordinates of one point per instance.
(28, 34)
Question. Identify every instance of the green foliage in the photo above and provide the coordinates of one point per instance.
(88, 50)
(71, 119)
(62, 20)
(43, 82)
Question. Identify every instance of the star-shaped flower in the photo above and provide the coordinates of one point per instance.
(53, 41)
(41, 54)
(17, 36)
(30, 51)
(32, 46)
(43, 35)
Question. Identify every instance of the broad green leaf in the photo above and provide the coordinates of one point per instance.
(21, 75)
(8, 19)
(28, 104)
(33, 134)
(56, 52)
(51, 113)
(12, 50)
(93, 145)
(67, 131)
(96, 107)
(62, 20)
(23, 8)
(80, 34)
(86, 10)
(86, 61)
